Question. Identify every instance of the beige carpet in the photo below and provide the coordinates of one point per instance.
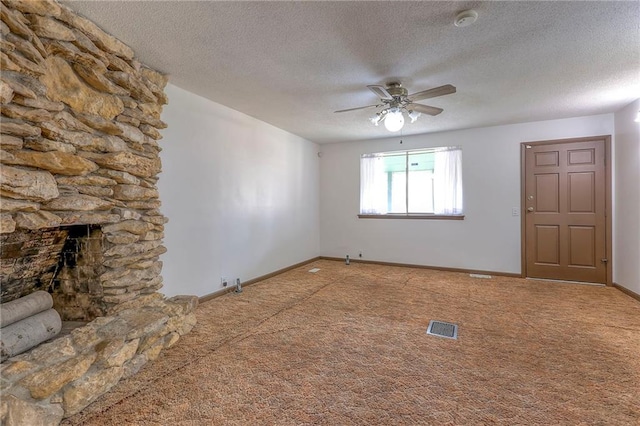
(347, 346)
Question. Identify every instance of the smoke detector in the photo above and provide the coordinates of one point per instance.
(465, 18)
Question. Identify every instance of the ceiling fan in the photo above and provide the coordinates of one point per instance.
(396, 100)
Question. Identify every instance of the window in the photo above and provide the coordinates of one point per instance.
(420, 183)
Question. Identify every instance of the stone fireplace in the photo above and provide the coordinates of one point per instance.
(80, 212)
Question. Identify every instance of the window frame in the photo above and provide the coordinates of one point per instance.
(428, 216)
(412, 216)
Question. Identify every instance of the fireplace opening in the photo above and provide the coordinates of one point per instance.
(75, 286)
(66, 262)
(50, 284)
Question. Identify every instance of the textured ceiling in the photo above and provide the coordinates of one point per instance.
(291, 64)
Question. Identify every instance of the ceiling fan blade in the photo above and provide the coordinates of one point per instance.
(425, 109)
(380, 92)
(357, 108)
(447, 89)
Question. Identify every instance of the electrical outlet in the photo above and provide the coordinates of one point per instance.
(360, 255)
(224, 282)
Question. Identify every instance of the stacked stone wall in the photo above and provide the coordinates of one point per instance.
(80, 124)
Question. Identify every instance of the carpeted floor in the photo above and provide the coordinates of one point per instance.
(347, 346)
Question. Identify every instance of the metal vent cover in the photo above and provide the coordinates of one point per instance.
(443, 329)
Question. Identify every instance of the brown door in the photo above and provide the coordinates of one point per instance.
(565, 210)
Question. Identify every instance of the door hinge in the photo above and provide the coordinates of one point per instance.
(528, 146)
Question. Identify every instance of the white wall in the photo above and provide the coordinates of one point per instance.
(626, 254)
(241, 196)
(488, 239)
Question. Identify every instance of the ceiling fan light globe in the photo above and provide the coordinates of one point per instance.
(394, 121)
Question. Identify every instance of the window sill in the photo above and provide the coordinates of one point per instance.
(412, 216)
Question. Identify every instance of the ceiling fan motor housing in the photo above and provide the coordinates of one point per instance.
(396, 90)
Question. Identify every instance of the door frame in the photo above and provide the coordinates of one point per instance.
(608, 198)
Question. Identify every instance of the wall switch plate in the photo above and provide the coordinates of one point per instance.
(515, 211)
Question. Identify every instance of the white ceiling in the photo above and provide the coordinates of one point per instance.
(291, 64)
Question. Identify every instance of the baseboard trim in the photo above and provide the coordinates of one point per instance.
(215, 294)
(436, 268)
(627, 291)
(224, 291)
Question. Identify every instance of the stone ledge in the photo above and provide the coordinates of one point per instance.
(61, 377)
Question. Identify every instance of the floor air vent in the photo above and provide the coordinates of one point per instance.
(443, 329)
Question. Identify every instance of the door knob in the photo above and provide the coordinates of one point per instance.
(530, 209)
